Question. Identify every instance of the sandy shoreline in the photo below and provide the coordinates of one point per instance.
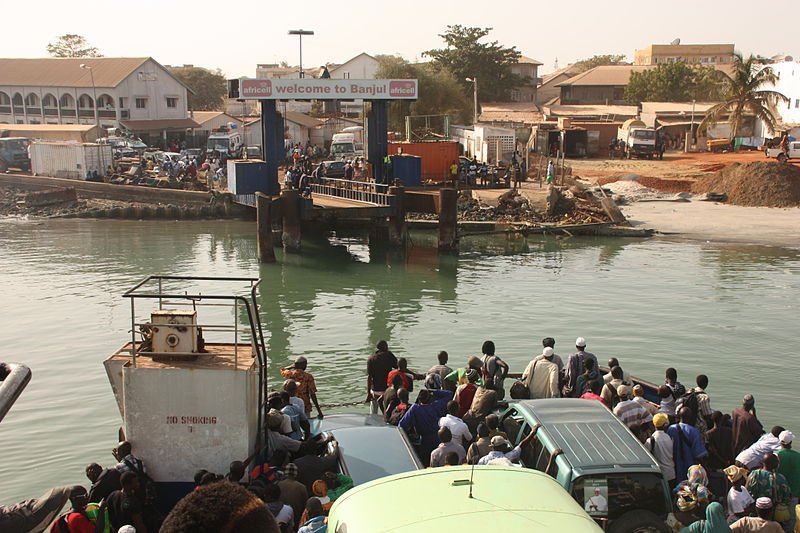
(713, 222)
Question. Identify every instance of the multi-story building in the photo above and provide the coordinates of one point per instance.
(136, 93)
(702, 54)
(600, 85)
(788, 84)
(527, 68)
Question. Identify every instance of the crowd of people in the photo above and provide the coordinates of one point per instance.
(725, 471)
(713, 462)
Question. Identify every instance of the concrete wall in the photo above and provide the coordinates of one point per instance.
(125, 193)
(180, 420)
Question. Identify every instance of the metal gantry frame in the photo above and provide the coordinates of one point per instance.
(250, 305)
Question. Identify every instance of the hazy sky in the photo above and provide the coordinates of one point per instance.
(236, 35)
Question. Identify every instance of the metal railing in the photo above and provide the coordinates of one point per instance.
(359, 191)
(246, 199)
(12, 386)
(145, 290)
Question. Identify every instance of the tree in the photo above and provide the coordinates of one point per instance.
(746, 92)
(597, 61)
(72, 45)
(675, 82)
(210, 87)
(466, 57)
(440, 93)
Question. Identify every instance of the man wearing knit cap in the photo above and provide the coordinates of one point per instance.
(541, 376)
(760, 523)
(740, 503)
(630, 412)
(575, 367)
(790, 468)
(660, 446)
(746, 427)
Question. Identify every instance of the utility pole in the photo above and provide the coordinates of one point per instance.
(474, 81)
(94, 94)
(300, 34)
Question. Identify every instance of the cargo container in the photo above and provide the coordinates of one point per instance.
(437, 156)
(408, 169)
(72, 160)
(246, 176)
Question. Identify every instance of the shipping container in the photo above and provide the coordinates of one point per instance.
(246, 176)
(436, 156)
(70, 160)
(408, 169)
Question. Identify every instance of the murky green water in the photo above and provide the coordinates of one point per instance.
(728, 311)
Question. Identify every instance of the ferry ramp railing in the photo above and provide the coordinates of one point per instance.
(365, 192)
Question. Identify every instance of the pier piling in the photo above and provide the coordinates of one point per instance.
(266, 246)
(448, 220)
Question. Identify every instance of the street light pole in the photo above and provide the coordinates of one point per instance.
(474, 81)
(300, 34)
(94, 94)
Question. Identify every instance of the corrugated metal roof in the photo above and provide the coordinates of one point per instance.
(531, 61)
(201, 117)
(524, 112)
(677, 107)
(590, 434)
(303, 119)
(162, 124)
(614, 75)
(66, 72)
(47, 127)
(590, 110)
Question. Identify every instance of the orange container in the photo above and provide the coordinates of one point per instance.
(437, 156)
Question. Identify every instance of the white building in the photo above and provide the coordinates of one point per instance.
(361, 67)
(788, 84)
(136, 93)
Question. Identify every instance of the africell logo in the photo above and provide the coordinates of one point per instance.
(400, 89)
(256, 88)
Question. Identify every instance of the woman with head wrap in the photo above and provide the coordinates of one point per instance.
(713, 523)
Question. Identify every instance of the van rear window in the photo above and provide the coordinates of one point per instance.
(612, 495)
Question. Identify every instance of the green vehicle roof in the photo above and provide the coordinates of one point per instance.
(591, 436)
(503, 499)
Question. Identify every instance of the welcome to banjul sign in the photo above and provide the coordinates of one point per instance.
(327, 89)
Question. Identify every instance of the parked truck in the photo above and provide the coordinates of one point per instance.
(793, 152)
(348, 143)
(228, 141)
(14, 154)
(638, 140)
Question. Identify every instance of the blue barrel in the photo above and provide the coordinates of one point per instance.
(407, 169)
(250, 177)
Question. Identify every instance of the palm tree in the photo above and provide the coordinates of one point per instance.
(746, 93)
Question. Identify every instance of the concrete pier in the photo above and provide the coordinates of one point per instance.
(448, 220)
(290, 207)
(266, 249)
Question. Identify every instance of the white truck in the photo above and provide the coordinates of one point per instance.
(784, 155)
(225, 140)
(348, 143)
(638, 140)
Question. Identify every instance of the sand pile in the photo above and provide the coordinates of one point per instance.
(755, 184)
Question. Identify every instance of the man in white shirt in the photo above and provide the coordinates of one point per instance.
(541, 376)
(740, 501)
(502, 448)
(458, 429)
(753, 457)
(596, 503)
(660, 446)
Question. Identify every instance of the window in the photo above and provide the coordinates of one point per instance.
(172, 101)
(797, 103)
(123, 102)
(141, 103)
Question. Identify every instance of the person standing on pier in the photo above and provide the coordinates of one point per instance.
(575, 367)
(688, 447)
(746, 427)
(306, 385)
(378, 367)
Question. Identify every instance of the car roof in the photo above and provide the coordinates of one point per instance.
(370, 447)
(591, 436)
(502, 499)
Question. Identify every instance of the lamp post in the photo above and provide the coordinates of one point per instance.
(474, 81)
(94, 94)
(300, 34)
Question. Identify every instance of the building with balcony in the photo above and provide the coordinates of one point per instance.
(135, 93)
(694, 54)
